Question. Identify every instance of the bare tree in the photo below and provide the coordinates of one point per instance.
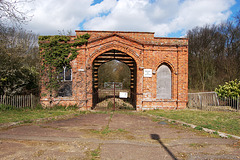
(202, 44)
(114, 71)
(18, 61)
(13, 13)
(237, 18)
(18, 49)
(214, 55)
(229, 59)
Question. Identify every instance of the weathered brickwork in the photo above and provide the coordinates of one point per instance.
(149, 52)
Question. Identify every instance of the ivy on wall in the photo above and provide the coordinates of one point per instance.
(57, 52)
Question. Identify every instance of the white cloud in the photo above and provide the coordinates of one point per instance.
(197, 13)
(51, 16)
(160, 16)
(102, 7)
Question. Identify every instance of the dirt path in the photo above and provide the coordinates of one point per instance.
(112, 136)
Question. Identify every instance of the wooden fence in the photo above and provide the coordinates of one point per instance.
(20, 101)
(211, 101)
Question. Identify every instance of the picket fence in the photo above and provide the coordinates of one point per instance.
(19, 101)
(202, 100)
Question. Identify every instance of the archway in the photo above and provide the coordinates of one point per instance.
(104, 86)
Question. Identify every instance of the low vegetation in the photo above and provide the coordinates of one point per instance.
(228, 122)
(29, 115)
(94, 154)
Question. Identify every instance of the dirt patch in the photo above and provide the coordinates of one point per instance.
(119, 105)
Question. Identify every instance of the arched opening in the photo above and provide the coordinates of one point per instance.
(114, 72)
(164, 82)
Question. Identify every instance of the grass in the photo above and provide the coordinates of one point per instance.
(29, 115)
(228, 122)
(106, 131)
(11, 114)
(198, 128)
(95, 154)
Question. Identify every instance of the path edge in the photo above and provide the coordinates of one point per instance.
(211, 131)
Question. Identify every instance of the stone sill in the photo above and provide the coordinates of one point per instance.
(59, 99)
(160, 100)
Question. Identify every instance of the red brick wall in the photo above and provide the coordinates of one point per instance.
(148, 51)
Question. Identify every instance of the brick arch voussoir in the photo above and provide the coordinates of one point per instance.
(167, 63)
(118, 47)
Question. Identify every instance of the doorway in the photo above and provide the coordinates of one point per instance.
(114, 77)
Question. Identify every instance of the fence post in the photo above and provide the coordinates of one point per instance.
(114, 96)
(238, 103)
(18, 101)
(31, 99)
(200, 100)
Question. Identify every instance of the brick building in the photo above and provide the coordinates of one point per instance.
(159, 69)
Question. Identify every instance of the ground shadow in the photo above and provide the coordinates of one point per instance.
(156, 137)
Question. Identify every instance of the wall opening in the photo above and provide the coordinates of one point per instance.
(65, 85)
(164, 82)
(120, 68)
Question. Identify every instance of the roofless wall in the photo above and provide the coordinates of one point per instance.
(161, 69)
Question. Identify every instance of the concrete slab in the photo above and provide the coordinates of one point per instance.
(112, 136)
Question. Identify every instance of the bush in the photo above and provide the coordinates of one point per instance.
(230, 89)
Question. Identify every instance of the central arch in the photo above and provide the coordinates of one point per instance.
(108, 56)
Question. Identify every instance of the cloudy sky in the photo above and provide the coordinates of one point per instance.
(164, 17)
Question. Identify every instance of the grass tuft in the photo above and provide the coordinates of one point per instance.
(215, 132)
(227, 122)
(198, 128)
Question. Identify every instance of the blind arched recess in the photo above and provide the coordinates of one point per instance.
(164, 82)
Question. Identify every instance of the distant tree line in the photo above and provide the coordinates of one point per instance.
(19, 60)
(214, 55)
(114, 71)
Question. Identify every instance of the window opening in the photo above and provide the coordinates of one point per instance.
(65, 89)
(66, 74)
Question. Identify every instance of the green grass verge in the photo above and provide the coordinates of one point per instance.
(28, 115)
(228, 122)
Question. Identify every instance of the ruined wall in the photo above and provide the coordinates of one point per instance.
(148, 52)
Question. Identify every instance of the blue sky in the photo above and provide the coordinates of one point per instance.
(167, 18)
